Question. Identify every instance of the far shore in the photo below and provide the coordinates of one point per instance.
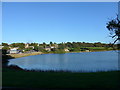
(24, 54)
(39, 53)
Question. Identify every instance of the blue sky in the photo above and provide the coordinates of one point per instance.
(57, 22)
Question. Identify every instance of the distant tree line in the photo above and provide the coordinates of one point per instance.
(72, 46)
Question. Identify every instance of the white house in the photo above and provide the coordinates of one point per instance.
(48, 49)
(87, 50)
(31, 47)
(14, 51)
(66, 50)
(26, 45)
(52, 47)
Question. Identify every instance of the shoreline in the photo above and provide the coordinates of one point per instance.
(25, 54)
(40, 53)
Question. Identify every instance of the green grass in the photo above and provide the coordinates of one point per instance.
(96, 47)
(99, 48)
(17, 78)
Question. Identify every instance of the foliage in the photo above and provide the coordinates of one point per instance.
(6, 48)
(33, 44)
(114, 28)
(28, 49)
(4, 51)
(51, 43)
(36, 48)
(20, 45)
(5, 44)
(59, 51)
(59, 48)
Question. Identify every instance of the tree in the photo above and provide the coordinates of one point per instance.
(5, 44)
(28, 49)
(51, 43)
(44, 44)
(4, 51)
(20, 45)
(114, 28)
(98, 44)
(6, 48)
(36, 48)
(61, 46)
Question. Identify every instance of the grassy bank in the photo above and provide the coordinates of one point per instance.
(99, 48)
(24, 54)
(18, 78)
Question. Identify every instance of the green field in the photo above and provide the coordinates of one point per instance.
(96, 47)
(99, 48)
(17, 78)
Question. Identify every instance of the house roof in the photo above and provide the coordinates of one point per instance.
(14, 48)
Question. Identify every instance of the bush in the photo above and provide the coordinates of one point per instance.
(59, 51)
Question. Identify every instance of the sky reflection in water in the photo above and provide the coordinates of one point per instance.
(74, 62)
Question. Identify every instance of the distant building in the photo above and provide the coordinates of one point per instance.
(14, 51)
(66, 50)
(52, 47)
(31, 47)
(48, 48)
(56, 46)
(37, 44)
(27, 46)
(87, 50)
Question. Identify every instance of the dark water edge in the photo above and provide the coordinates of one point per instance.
(17, 68)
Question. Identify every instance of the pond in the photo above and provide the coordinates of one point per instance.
(73, 62)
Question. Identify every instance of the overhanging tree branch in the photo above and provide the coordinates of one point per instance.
(114, 27)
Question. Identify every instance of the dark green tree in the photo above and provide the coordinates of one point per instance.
(36, 48)
(51, 43)
(6, 48)
(61, 46)
(5, 44)
(44, 44)
(114, 28)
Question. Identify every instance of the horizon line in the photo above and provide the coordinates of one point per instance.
(59, 42)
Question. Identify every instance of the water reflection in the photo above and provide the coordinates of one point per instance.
(74, 62)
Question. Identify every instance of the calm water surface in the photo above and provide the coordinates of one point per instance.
(74, 62)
